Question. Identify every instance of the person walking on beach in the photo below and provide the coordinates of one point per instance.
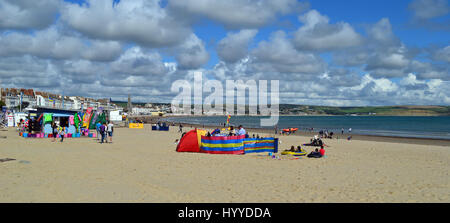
(181, 128)
(97, 127)
(110, 131)
(61, 133)
(342, 131)
(102, 132)
(350, 130)
(55, 132)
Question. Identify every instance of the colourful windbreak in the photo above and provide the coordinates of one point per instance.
(222, 144)
(260, 145)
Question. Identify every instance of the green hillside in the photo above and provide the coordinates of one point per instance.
(369, 110)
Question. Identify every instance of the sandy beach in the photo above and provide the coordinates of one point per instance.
(142, 166)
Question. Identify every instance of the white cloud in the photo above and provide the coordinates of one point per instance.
(192, 53)
(318, 34)
(105, 50)
(28, 72)
(381, 33)
(23, 14)
(52, 44)
(427, 9)
(237, 14)
(140, 21)
(136, 62)
(442, 54)
(235, 45)
(278, 54)
(430, 14)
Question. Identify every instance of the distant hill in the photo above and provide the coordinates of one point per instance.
(124, 104)
(367, 110)
(291, 109)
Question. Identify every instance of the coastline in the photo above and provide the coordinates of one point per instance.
(374, 138)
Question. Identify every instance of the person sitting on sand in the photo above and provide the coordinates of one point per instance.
(290, 150)
(216, 131)
(299, 149)
(322, 151)
(315, 154)
(232, 131)
(241, 131)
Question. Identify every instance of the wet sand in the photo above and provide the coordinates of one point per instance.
(142, 166)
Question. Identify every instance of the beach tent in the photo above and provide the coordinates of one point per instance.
(190, 142)
(261, 145)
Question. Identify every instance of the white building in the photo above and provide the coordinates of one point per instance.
(76, 102)
(141, 111)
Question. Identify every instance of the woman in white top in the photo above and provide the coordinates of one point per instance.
(110, 129)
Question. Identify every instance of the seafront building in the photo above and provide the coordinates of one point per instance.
(29, 99)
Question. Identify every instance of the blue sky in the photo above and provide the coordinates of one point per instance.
(324, 52)
(356, 12)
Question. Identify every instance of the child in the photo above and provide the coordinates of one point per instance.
(322, 151)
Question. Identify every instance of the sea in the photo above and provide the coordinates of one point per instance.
(434, 127)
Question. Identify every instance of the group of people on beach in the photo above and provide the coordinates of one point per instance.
(314, 154)
(317, 153)
(58, 130)
(232, 131)
(240, 131)
(104, 131)
(298, 150)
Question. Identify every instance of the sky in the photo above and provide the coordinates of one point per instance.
(323, 52)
